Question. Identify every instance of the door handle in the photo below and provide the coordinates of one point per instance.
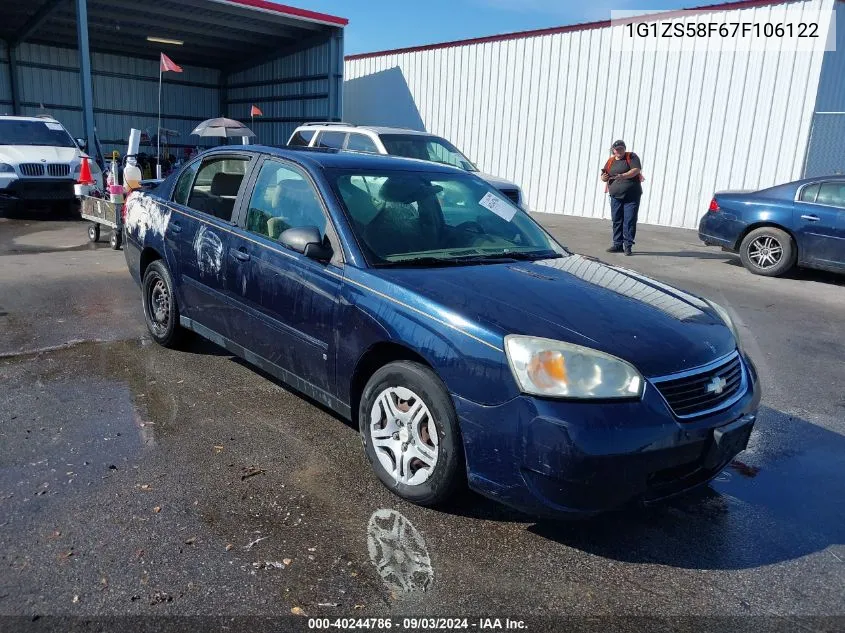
(811, 218)
(175, 227)
(241, 255)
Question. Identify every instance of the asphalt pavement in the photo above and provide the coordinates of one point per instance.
(136, 480)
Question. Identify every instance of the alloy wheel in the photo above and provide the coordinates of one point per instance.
(765, 252)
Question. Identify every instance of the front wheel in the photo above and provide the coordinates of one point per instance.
(768, 251)
(410, 433)
(93, 232)
(160, 309)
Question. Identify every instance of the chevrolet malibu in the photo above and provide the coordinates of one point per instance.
(468, 345)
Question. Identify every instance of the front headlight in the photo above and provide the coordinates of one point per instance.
(726, 317)
(6, 168)
(543, 367)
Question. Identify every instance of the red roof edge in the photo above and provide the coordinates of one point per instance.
(585, 26)
(305, 14)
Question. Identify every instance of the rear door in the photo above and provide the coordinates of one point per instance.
(200, 228)
(819, 218)
(288, 300)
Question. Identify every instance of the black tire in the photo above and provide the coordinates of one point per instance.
(768, 251)
(448, 472)
(115, 240)
(161, 311)
(93, 232)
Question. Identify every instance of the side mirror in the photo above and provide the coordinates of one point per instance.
(308, 241)
(83, 144)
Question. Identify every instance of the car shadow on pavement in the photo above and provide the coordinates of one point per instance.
(691, 254)
(782, 499)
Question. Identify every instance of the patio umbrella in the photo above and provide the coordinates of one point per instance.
(223, 128)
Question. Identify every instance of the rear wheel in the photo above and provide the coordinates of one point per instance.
(768, 251)
(410, 433)
(93, 232)
(160, 309)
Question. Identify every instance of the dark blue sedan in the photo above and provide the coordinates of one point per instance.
(467, 344)
(801, 223)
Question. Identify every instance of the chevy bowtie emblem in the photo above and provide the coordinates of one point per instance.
(716, 386)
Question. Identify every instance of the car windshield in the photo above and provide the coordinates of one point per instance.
(404, 219)
(430, 148)
(45, 133)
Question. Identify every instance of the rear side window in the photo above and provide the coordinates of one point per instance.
(361, 143)
(301, 138)
(331, 139)
(808, 193)
(832, 194)
(216, 186)
(183, 185)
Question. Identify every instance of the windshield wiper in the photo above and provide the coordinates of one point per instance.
(515, 256)
(423, 262)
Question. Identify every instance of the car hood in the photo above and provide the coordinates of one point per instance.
(577, 299)
(497, 182)
(15, 154)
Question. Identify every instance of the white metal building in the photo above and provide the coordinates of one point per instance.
(542, 107)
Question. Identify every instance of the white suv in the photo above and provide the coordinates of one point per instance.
(396, 141)
(39, 162)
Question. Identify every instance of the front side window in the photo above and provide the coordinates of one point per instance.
(216, 186)
(183, 185)
(429, 218)
(37, 133)
(423, 147)
(331, 139)
(361, 143)
(283, 198)
(832, 194)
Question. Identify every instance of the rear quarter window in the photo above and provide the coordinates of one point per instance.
(301, 138)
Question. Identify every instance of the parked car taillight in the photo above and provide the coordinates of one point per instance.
(714, 206)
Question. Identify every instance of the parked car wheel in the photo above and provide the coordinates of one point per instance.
(93, 232)
(768, 251)
(410, 433)
(160, 309)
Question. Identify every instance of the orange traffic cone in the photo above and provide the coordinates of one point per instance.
(85, 177)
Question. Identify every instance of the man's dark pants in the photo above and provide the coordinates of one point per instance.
(624, 212)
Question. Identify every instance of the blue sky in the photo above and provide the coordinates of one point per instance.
(381, 24)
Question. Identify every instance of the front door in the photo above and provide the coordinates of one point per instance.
(288, 300)
(202, 224)
(820, 223)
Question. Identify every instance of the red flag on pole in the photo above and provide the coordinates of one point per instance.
(255, 111)
(167, 64)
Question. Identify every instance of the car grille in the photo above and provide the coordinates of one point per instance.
(512, 194)
(58, 170)
(706, 389)
(32, 169)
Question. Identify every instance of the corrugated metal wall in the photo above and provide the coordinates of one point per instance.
(543, 110)
(125, 94)
(825, 155)
(303, 86)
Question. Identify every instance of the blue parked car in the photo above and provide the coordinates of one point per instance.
(467, 344)
(774, 229)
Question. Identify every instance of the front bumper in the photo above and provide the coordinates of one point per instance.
(558, 458)
(37, 189)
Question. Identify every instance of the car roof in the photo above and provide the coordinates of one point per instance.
(348, 127)
(36, 119)
(320, 157)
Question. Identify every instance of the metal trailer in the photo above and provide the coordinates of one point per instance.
(101, 212)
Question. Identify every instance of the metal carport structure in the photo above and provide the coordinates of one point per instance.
(90, 64)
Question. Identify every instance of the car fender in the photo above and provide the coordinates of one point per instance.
(469, 366)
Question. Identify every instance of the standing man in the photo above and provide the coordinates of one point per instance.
(622, 175)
